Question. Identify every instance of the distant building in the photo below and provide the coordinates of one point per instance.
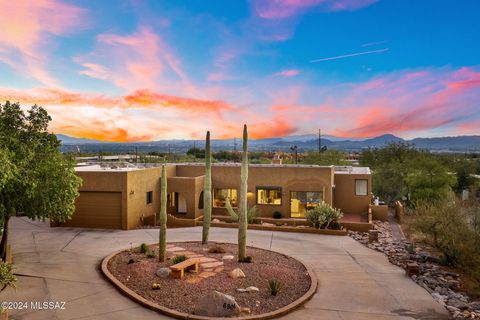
(122, 196)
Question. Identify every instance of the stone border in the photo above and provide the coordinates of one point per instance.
(342, 232)
(182, 315)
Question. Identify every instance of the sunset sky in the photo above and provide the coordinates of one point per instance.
(137, 70)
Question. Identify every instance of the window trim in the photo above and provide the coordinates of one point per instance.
(269, 188)
(355, 188)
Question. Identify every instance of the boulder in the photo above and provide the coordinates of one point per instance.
(217, 304)
(228, 257)
(163, 272)
(236, 273)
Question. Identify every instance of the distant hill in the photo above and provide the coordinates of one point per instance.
(303, 142)
(72, 140)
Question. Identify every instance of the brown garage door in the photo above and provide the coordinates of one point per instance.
(97, 210)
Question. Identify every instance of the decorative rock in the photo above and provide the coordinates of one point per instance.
(212, 264)
(252, 289)
(217, 304)
(163, 272)
(241, 290)
(412, 269)
(236, 273)
(372, 235)
(228, 257)
(215, 221)
(458, 304)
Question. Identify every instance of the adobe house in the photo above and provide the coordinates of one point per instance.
(123, 198)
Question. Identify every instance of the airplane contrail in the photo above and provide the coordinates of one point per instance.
(350, 55)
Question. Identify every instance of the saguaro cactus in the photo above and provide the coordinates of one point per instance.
(207, 191)
(162, 237)
(242, 206)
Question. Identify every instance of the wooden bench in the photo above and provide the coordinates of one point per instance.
(178, 270)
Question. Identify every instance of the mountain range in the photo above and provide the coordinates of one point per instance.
(303, 143)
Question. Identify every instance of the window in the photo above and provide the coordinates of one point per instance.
(361, 187)
(220, 197)
(172, 199)
(149, 197)
(301, 201)
(269, 195)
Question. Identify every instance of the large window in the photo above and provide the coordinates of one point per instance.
(149, 197)
(361, 187)
(301, 201)
(220, 197)
(269, 195)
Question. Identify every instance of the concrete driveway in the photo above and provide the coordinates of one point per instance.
(62, 264)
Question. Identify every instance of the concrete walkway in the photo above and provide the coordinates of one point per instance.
(62, 264)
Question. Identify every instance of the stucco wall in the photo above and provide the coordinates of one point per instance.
(345, 198)
(139, 183)
(288, 178)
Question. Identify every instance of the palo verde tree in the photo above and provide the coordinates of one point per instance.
(207, 191)
(39, 180)
(162, 236)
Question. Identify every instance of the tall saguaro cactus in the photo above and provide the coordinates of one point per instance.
(242, 206)
(162, 237)
(207, 191)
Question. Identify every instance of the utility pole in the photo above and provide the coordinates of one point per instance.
(295, 149)
(319, 141)
(136, 154)
(234, 149)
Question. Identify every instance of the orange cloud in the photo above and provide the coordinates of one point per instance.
(26, 28)
(149, 98)
(277, 127)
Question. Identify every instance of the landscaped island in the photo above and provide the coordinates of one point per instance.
(252, 285)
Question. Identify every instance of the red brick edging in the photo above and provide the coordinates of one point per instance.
(181, 315)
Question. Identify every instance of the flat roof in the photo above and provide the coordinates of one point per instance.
(352, 170)
(97, 167)
(125, 166)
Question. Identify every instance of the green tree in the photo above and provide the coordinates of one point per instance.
(196, 152)
(428, 180)
(207, 191)
(41, 182)
(326, 158)
(162, 233)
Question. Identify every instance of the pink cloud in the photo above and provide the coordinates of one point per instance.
(136, 61)
(282, 9)
(288, 73)
(27, 28)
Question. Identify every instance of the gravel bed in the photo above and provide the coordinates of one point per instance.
(182, 296)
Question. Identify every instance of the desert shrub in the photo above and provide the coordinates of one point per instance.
(277, 215)
(216, 248)
(143, 248)
(178, 259)
(323, 216)
(150, 254)
(410, 248)
(274, 286)
(453, 228)
(7, 278)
